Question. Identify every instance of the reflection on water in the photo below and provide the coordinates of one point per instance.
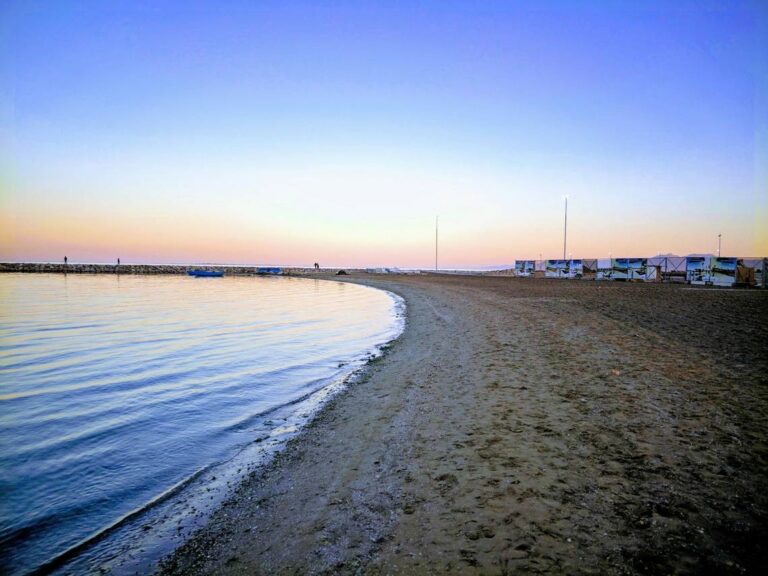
(113, 389)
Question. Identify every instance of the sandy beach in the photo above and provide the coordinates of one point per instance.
(525, 426)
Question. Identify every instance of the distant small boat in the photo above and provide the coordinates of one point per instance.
(269, 270)
(205, 273)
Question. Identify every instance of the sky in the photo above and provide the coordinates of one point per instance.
(300, 132)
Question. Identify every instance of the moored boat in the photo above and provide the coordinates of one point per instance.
(205, 273)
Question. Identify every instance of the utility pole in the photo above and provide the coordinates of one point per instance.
(565, 228)
(437, 221)
(718, 245)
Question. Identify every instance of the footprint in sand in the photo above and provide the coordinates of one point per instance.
(446, 483)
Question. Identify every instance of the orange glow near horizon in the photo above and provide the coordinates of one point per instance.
(336, 134)
(409, 243)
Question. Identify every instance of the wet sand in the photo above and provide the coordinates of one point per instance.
(525, 426)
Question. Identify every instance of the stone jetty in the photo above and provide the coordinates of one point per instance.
(79, 268)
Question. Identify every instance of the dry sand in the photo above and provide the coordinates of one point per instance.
(525, 426)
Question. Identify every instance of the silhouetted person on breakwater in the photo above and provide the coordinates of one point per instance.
(65, 260)
(118, 261)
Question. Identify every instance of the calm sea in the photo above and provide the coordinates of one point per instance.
(115, 391)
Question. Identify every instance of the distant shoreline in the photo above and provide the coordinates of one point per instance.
(229, 270)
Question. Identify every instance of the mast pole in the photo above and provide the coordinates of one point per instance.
(437, 221)
(565, 228)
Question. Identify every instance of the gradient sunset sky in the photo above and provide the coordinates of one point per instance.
(294, 132)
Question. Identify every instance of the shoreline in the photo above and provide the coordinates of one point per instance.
(156, 529)
(516, 425)
(135, 542)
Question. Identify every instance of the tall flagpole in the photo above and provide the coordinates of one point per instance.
(437, 219)
(565, 228)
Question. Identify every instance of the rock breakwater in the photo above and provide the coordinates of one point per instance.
(80, 268)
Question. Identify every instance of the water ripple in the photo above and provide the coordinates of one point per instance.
(114, 390)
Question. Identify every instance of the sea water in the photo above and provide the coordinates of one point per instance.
(115, 390)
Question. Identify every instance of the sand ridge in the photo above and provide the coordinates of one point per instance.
(525, 426)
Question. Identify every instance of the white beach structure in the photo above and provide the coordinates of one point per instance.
(604, 269)
(524, 268)
(724, 271)
(556, 269)
(576, 269)
(760, 266)
(564, 268)
(631, 269)
(696, 269)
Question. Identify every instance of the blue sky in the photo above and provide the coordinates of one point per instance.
(290, 132)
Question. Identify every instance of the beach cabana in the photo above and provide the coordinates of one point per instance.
(720, 271)
(620, 269)
(575, 269)
(524, 268)
(670, 268)
(564, 268)
(557, 268)
(627, 269)
(639, 270)
(723, 272)
(589, 267)
(604, 269)
(758, 267)
(696, 269)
